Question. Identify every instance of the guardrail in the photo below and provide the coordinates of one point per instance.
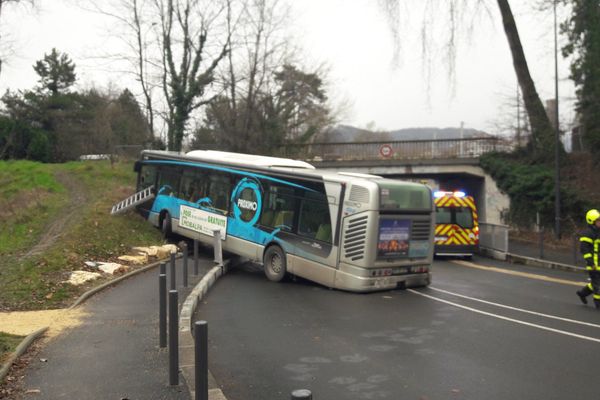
(395, 150)
(493, 237)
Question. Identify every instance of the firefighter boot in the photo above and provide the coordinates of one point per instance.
(583, 294)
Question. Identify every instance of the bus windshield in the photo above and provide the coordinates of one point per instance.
(404, 196)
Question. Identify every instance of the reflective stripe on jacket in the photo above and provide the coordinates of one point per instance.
(589, 247)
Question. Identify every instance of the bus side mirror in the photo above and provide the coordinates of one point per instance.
(137, 167)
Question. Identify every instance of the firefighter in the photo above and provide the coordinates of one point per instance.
(589, 247)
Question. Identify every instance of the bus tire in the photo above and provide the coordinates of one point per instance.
(165, 226)
(275, 264)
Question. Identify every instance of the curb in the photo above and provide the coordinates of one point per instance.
(186, 339)
(536, 262)
(525, 260)
(20, 350)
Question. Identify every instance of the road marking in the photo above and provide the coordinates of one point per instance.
(518, 273)
(517, 321)
(517, 309)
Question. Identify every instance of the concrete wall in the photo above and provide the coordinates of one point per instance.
(492, 204)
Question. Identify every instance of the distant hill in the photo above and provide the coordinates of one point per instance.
(347, 133)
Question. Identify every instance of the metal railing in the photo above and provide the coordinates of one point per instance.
(396, 150)
(493, 236)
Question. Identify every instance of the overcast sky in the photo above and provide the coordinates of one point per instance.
(352, 38)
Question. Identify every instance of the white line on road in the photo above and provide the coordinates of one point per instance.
(516, 309)
(545, 328)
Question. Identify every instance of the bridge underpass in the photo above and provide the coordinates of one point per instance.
(442, 174)
(447, 164)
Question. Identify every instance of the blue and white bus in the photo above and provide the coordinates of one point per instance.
(349, 231)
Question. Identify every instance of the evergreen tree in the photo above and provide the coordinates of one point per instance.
(56, 71)
(290, 110)
(583, 32)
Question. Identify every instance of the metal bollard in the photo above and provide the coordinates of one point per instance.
(195, 257)
(173, 273)
(301, 394)
(201, 359)
(162, 309)
(173, 339)
(185, 265)
(542, 244)
(217, 247)
(163, 268)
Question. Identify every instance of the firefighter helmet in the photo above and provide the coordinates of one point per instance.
(591, 216)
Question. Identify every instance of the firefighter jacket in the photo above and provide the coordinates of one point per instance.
(589, 247)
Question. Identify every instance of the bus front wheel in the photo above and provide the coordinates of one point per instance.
(275, 264)
(165, 226)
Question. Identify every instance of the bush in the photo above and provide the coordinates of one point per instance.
(39, 147)
(531, 190)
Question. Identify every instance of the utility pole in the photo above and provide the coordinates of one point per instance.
(557, 136)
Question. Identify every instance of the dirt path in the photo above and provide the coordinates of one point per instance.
(77, 197)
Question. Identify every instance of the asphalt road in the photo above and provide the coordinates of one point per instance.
(267, 339)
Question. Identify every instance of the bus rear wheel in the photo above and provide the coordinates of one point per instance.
(275, 264)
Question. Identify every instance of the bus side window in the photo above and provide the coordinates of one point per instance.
(269, 206)
(279, 209)
(219, 189)
(168, 181)
(314, 220)
(192, 186)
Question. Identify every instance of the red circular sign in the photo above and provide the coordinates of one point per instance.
(386, 150)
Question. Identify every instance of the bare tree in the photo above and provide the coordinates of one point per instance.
(4, 3)
(542, 144)
(185, 85)
(135, 27)
(181, 57)
(140, 49)
(259, 47)
(511, 120)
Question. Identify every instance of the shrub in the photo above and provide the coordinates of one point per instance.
(531, 190)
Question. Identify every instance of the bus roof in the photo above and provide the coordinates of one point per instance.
(280, 166)
(248, 159)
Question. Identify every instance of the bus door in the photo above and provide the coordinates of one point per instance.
(147, 175)
(167, 191)
(457, 227)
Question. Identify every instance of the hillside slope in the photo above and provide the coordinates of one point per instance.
(53, 218)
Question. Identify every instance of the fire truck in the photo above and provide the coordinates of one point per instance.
(457, 227)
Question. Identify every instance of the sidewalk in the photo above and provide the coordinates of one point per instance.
(114, 353)
(552, 257)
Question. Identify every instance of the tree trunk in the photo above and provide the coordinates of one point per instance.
(542, 138)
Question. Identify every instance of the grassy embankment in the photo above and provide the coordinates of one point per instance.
(8, 344)
(76, 198)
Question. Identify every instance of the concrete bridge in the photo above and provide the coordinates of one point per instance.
(446, 164)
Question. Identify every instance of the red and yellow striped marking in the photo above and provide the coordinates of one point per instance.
(454, 234)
